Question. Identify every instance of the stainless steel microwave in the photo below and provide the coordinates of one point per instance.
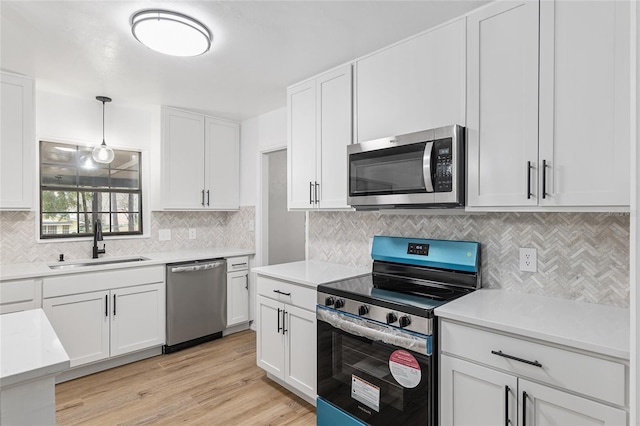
(424, 169)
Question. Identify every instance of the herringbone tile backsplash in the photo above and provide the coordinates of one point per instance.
(213, 229)
(581, 256)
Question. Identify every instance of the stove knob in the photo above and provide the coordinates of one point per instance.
(405, 321)
(328, 301)
(391, 318)
(363, 310)
(339, 304)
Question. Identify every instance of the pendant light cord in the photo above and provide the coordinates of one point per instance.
(103, 121)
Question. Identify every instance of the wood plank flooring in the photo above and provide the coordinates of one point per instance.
(216, 383)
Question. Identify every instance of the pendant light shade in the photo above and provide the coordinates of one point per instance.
(102, 153)
(171, 33)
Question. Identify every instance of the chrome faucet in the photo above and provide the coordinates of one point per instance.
(97, 236)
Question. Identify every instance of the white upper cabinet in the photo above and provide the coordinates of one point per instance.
(548, 104)
(319, 131)
(222, 168)
(200, 162)
(182, 159)
(502, 117)
(414, 85)
(301, 149)
(17, 142)
(584, 102)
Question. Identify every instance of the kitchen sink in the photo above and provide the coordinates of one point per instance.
(97, 262)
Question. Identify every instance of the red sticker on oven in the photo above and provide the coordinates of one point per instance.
(405, 369)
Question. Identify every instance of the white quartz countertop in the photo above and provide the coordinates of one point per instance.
(29, 348)
(41, 269)
(311, 273)
(598, 328)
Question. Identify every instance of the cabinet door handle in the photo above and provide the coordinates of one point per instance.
(515, 358)
(529, 194)
(317, 191)
(284, 323)
(207, 197)
(202, 198)
(282, 293)
(106, 305)
(279, 328)
(544, 178)
(114, 305)
(506, 406)
(524, 408)
(310, 192)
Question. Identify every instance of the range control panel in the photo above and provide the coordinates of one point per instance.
(418, 248)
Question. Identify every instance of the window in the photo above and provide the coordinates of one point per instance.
(75, 192)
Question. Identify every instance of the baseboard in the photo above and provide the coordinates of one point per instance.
(85, 370)
(236, 329)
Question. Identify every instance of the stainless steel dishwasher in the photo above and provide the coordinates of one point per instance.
(196, 302)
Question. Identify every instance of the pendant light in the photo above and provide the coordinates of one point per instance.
(102, 153)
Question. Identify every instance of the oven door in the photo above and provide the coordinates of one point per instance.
(379, 374)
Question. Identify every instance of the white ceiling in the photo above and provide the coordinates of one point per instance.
(85, 48)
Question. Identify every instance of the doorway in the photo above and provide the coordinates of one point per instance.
(283, 234)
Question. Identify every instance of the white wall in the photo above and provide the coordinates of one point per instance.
(80, 120)
(263, 132)
(286, 229)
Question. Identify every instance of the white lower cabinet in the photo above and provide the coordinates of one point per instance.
(286, 338)
(113, 320)
(475, 395)
(81, 321)
(137, 318)
(490, 378)
(237, 290)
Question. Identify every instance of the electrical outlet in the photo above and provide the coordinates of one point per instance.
(192, 233)
(164, 234)
(528, 260)
(252, 225)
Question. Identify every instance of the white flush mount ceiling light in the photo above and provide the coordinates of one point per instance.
(171, 33)
(102, 153)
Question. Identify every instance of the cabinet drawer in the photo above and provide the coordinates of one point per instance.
(101, 280)
(17, 295)
(287, 292)
(596, 377)
(239, 263)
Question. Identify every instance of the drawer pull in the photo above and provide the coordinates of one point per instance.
(238, 264)
(282, 293)
(515, 358)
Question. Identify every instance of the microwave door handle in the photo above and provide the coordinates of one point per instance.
(426, 166)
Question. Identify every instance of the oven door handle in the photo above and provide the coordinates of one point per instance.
(380, 333)
(426, 166)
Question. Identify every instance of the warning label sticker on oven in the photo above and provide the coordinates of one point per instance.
(405, 369)
(364, 392)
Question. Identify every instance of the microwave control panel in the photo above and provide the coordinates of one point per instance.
(443, 153)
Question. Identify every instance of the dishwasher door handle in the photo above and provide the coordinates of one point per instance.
(196, 267)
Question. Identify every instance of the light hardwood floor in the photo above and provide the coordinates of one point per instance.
(216, 383)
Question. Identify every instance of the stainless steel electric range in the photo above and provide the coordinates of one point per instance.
(377, 334)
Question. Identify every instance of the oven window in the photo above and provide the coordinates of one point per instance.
(387, 171)
(354, 374)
